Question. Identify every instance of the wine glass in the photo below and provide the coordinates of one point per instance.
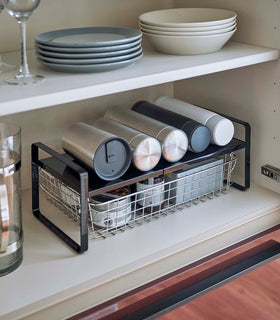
(3, 66)
(22, 10)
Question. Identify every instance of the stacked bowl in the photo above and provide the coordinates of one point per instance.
(93, 49)
(188, 30)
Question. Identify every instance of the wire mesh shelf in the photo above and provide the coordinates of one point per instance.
(151, 199)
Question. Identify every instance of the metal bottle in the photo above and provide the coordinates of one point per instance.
(221, 128)
(174, 142)
(199, 136)
(108, 155)
(146, 150)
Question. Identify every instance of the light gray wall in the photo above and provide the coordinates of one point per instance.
(60, 14)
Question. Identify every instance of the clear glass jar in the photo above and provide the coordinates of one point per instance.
(151, 195)
(11, 235)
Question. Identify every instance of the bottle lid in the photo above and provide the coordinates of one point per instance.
(199, 135)
(200, 139)
(222, 130)
(146, 152)
(112, 159)
(174, 143)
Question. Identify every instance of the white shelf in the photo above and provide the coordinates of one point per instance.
(52, 273)
(154, 68)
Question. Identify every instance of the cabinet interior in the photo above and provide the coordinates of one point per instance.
(249, 93)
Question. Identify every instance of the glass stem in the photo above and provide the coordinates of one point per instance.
(23, 69)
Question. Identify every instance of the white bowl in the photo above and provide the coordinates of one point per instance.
(188, 17)
(188, 29)
(188, 44)
(184, 33)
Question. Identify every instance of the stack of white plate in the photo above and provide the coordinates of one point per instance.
(188, 30)
(94, 49)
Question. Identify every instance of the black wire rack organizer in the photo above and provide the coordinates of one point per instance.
(70, 191)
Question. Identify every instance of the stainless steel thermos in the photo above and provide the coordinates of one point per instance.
(146, 150)
(108, 155)
(174, 142)
(221, 128)
(199, 136)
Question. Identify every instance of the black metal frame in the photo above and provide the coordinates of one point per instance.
(89, 185)
(247, 154)
(82, 175)
(179, 298)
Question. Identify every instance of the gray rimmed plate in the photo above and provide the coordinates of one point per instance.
(89, 49)
(90, 61)
(63, 55)
(87, 68)
(89, 37)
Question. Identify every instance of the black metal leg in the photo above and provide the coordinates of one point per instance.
(83, 176)
(247, 155)
(247, 160)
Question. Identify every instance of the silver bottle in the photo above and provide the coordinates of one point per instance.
(146, 150)
(108, 155)
(174, 142)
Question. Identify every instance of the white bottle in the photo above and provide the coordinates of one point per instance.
(222, 129)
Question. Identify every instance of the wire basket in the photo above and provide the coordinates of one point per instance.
(132, 206)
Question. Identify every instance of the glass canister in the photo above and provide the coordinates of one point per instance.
(112, 209)
(11, 235)
(150, 196)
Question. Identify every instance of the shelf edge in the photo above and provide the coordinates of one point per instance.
(102, 89)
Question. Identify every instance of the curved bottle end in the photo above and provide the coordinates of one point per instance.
(174, 144)
(222, 130)
(160, 99)
(112, 159)
(200, 139)
(147, 153)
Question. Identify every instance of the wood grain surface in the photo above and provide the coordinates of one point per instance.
(154, 291)
(253, 296)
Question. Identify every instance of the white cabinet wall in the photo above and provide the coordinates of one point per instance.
(251, 93)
